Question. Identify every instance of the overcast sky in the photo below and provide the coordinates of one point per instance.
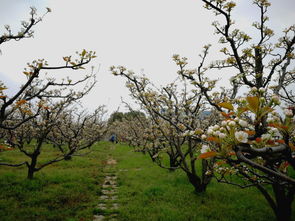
(139, 34)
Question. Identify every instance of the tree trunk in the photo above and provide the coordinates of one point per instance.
(196, 182)
(283, 213)
(284, 197)
(151, 154)
(31, 173)
(206, 178)
(32, 166)
(68, 157)
(172, 163)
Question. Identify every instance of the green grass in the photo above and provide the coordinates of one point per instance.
(147, 192)
(67, 190)
(70, 191)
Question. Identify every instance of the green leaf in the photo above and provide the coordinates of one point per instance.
(226, 105)
(253, 103)
(83, 53)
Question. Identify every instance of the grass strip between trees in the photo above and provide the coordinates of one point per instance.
(70, 190)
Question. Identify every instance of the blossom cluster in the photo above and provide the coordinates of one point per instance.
(242, 124)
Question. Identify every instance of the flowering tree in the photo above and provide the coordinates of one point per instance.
(254, 141)
(176, 127)
(30, 115)
(67, 129)
(77, 131)
(129, 128)
(26, 29)
(35, 89)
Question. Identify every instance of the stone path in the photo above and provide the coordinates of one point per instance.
(107, 208)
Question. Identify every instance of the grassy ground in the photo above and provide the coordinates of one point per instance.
(70, 190)
(64, 191)
(148, 192)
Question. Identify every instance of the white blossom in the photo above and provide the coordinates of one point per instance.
(270, 120)
(205, 148)
(274, 132)
(243, 123)
(222, 129)
(232, 123)
(254, 89)
(241, 136)
(224, 123)
(288, 112)
(222, 135)
(210, 130)
(191, 133)
(216, 127)
(266, 137)
(216, 133)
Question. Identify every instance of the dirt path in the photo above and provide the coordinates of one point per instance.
(107, 208)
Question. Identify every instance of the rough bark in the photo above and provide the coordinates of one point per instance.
(284, 197)
(32, 165)
(196, 182)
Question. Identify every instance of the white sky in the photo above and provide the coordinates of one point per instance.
(139, 34)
